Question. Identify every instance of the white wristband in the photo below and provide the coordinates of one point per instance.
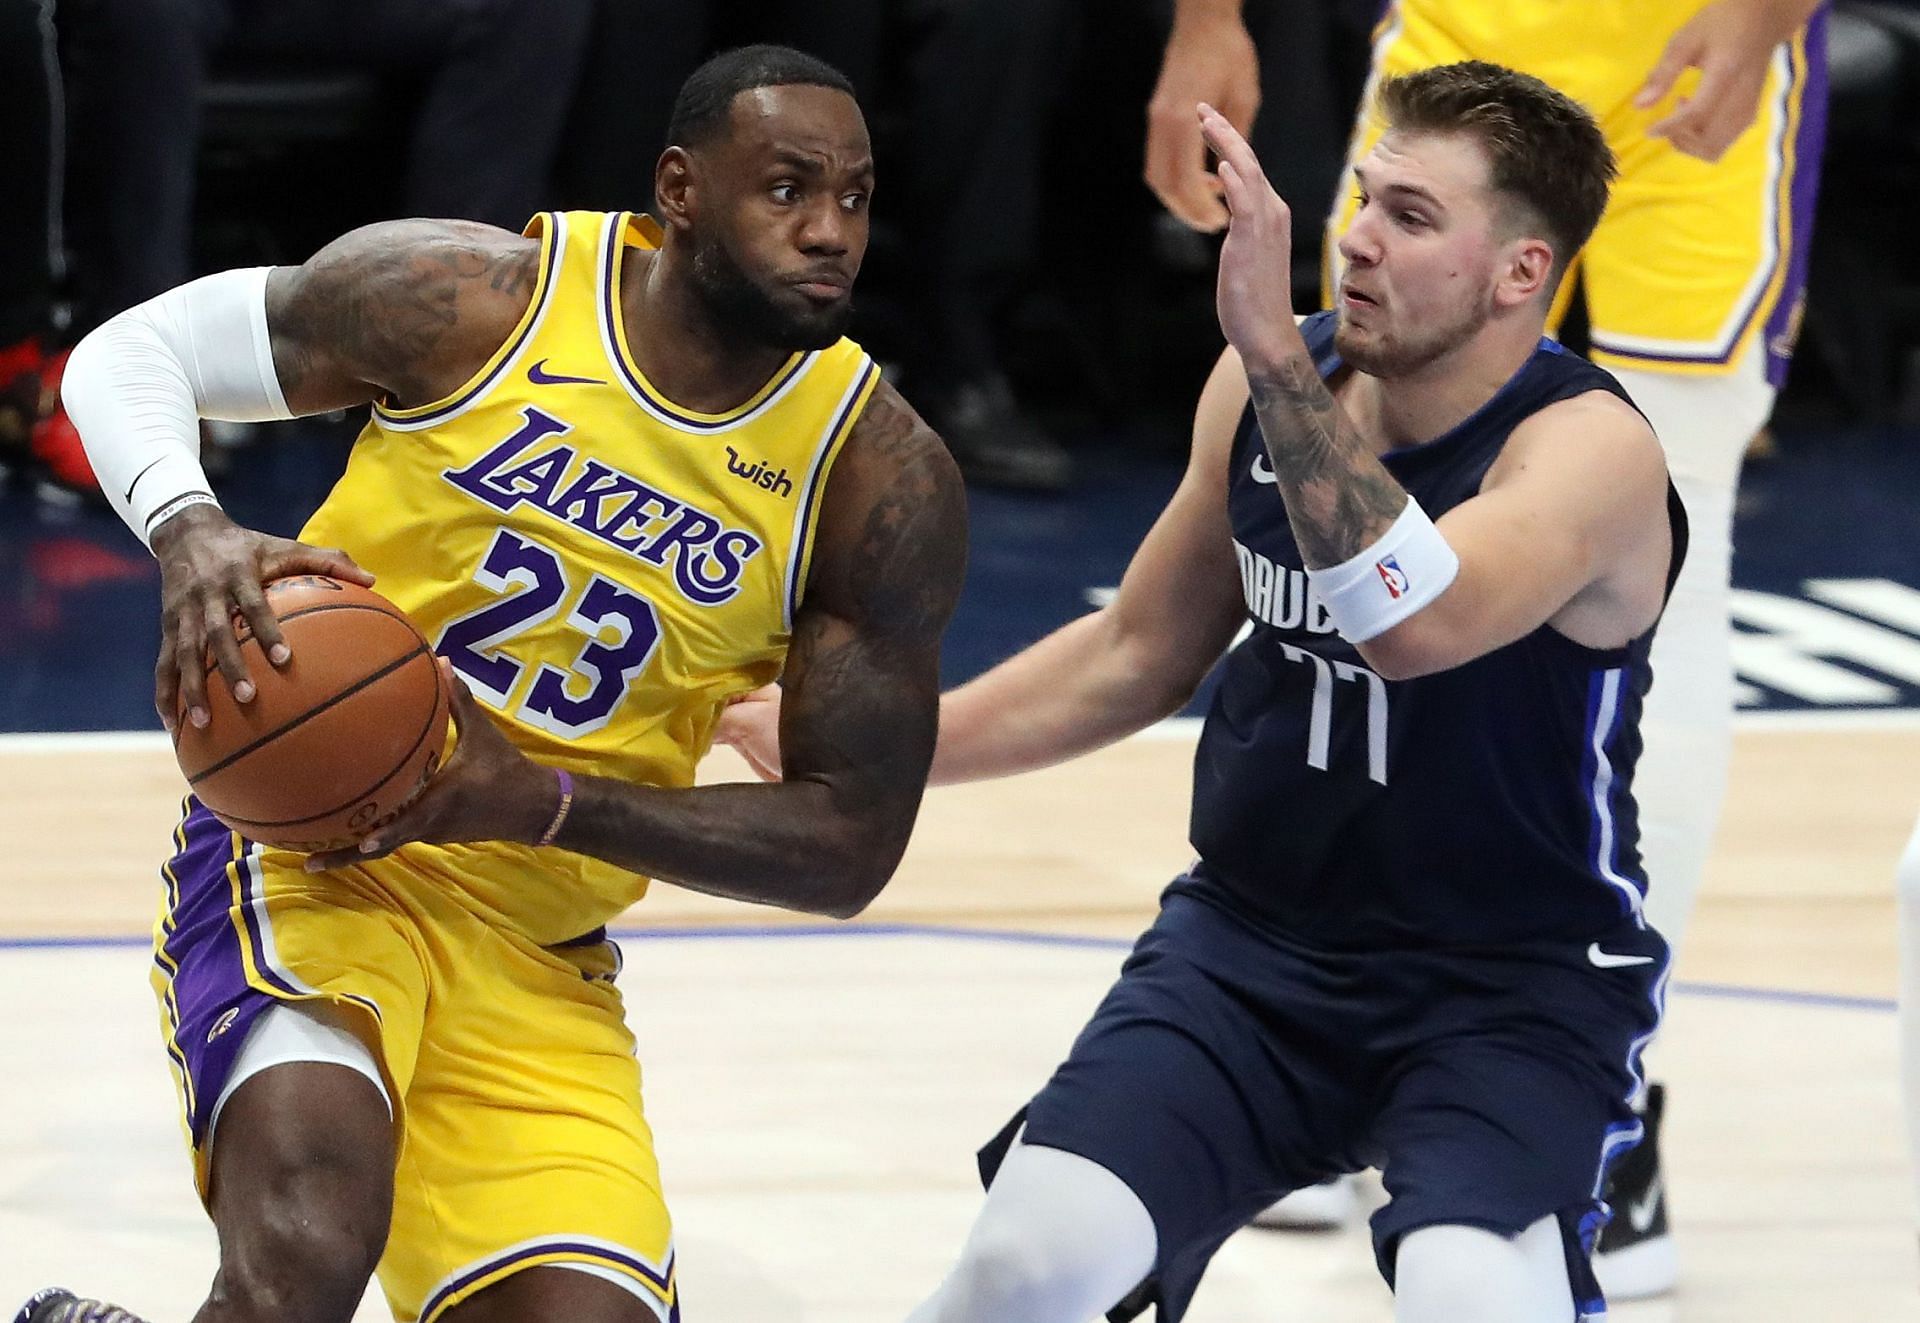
(1398, 575)
(137, 387)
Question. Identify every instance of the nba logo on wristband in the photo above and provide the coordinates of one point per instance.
(1392, 576)
(1351, 590)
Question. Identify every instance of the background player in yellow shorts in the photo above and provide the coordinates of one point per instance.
(618, 472)
(1694, 279)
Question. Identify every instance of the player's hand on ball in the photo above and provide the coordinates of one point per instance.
(751, 725)
(211, 570)
(488, 791)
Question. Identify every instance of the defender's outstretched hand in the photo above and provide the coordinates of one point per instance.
(210, 569)
(1255, 292)
(751, 725)
(488, 791)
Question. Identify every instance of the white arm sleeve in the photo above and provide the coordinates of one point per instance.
(137, 387)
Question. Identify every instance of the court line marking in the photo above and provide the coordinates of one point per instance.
(1000, 936)
(1187, 729)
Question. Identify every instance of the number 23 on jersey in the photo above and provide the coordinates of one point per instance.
(620, 629)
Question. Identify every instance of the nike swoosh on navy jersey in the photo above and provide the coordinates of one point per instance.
(539, 376)
(1262, 470)
(1609, 960)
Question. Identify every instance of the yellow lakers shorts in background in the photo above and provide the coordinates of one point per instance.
(1694, 262)
(522, 1141)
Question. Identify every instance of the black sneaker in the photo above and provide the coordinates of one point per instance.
(1636, 1257)
(54, 1305)
(996, 442)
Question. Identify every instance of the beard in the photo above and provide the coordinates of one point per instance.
(742, 309)
(1391, 355)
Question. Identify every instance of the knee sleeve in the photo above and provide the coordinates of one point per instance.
(1704, 424)
(1060, 1240)
(1444, 1274)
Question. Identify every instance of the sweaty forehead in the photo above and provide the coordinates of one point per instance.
(819, 123)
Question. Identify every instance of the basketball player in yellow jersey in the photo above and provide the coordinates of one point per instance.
(619, 473)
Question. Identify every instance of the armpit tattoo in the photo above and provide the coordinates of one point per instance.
(1340, 500)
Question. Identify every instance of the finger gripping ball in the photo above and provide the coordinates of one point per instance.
(335, 742)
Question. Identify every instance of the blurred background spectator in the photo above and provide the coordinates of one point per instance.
(491, 83)
(35, 435)
(105, 106)
(1032, 295)
(1304, 62)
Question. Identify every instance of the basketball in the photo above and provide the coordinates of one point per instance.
(335, 742)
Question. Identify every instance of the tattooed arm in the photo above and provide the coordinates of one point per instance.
(1340, 498)
(1569, 526)
(405, 310)
(863, 691)
(862, 705)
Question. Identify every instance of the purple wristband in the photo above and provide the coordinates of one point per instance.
(559, 814)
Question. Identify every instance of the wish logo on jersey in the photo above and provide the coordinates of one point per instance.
(757, 473)
(615, 507)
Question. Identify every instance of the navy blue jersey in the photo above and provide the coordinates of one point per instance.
(1484, 805)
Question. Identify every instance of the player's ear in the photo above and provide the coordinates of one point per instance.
(673, 188)
(1528, 269)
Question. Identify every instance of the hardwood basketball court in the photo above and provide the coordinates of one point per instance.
(817, 1090)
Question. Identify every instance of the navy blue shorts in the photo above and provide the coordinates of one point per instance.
(1228, 1067)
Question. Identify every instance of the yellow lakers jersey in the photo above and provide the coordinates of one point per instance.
(604, 568)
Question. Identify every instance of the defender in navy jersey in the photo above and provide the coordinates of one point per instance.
(1414, 936)
(1399, 830)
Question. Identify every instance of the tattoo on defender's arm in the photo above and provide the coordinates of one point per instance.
(1340, 500)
